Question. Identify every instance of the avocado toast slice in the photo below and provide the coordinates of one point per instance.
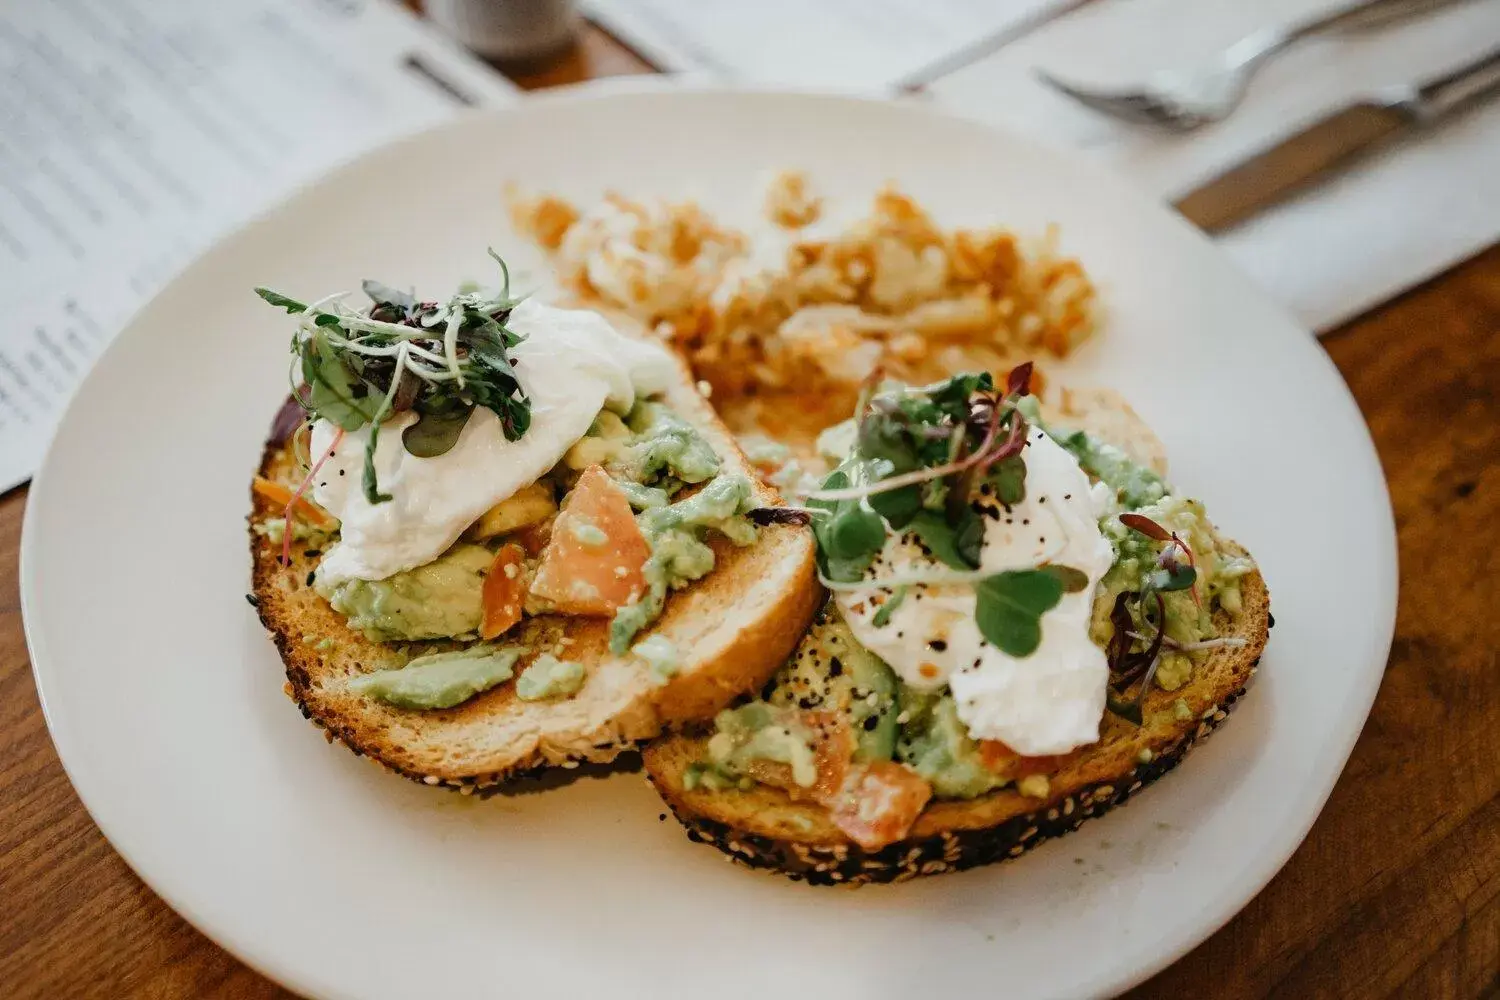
(552, 552)
(734, 628)
(756, 816)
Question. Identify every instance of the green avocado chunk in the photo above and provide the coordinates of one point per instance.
(549, 677)
(441, 680)
(443, 599)
(679, 553)
(758, 731)
(666, 444)
(831, 671)
(935, 743)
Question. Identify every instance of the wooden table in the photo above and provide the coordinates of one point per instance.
(1396, 892)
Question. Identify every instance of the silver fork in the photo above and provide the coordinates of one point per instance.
(1181, 100)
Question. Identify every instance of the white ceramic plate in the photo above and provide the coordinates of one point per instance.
(164, 696)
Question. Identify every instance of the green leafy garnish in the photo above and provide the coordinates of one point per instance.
(956, 547)
(849, 537)
(440, 420)
(281, 301)
(1073, 580)
(883, 613)
(334, 391)
(1008, 479)
(1009, 608)
(441, 360)
(1172, 576)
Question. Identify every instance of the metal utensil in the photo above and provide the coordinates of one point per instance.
(1331, 144)
(1181, 100)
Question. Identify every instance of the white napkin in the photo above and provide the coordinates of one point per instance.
(1391, 222)
(858, 45)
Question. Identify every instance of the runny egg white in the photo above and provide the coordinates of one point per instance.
(1048, 702)
(571, 365)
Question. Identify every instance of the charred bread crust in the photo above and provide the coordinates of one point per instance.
(948, 850)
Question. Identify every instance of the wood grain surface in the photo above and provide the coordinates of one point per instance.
(1395, 893)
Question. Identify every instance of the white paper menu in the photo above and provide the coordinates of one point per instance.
(135, 132)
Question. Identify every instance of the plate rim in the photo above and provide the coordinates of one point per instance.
(1108, 980)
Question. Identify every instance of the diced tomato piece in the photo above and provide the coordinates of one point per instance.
(504, 591)
(832, 742)
(534, 538)
(592, 563)
(279, 495)
(833, 750)
(1004, 761)
(878, 803)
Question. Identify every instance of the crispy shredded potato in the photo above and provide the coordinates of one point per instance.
(893, 290)
(790, 201)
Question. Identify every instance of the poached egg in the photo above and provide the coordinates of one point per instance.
(1049, 702)
(571, 364)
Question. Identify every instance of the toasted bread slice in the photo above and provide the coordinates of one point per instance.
(733, 629)
(765, 828)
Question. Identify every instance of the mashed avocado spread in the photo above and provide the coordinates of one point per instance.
(441, 600)
(679, 553)
(441, 680)
(548, 677)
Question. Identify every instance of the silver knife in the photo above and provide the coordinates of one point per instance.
(1329, 146)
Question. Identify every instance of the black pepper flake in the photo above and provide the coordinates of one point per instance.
(1067, 496)
(977, 661)
(1025, 520)
(254, 601)
(835, 667)
(1041, 499)
(310, 574)
(871, 722)
(313, 553)
(900, 634)
(341, 472)
(937, 645)
(662, 818)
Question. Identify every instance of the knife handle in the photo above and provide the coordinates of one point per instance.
(1447, 94)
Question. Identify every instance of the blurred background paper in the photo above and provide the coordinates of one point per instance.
(843, 44)
(135, 132)
(1391, 222)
